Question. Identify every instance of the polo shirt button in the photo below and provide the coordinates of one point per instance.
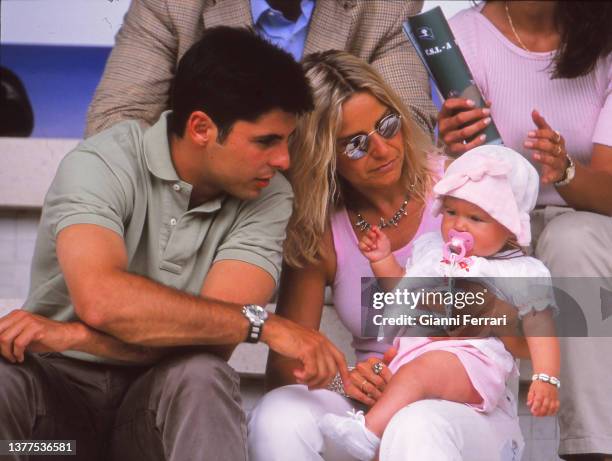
(173, 222)
(176, 187)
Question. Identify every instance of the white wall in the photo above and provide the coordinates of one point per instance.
(92, 22)
(61, 22)
(448, 7)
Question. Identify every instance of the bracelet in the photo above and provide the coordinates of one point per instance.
(547, 379)
(337, 386)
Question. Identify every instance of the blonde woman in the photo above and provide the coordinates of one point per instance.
(358, 159)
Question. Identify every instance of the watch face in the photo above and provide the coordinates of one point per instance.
(257, 312)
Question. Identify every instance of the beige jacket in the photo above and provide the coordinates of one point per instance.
(156, 33)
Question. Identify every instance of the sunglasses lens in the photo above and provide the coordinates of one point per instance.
(356, 147)
(356, 154)
(389, 126)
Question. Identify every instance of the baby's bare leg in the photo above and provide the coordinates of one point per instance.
(433, 375)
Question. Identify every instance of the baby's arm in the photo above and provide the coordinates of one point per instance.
(543, 398)
(376, 247)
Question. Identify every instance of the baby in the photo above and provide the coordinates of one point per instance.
(485, 198)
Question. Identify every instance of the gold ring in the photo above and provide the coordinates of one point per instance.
(557, 138)
(365, 381)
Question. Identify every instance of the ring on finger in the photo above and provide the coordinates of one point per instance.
(558, 149)
(365, 381)
(377, 368)
(557, 137)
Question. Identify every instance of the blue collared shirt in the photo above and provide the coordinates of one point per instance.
(273, 26)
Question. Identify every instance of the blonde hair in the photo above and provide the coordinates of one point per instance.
(335, 76)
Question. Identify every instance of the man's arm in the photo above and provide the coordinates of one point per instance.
(137, 76)
(236, 282)
(21, 330)
(139, 311)
(131, 307)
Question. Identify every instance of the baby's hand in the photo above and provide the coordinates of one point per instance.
(543, 399)
(375, 245)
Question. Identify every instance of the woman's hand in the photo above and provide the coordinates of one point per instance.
(459, 121)
(365, 385)
(548, 149)
(543, 399)
(375, 245)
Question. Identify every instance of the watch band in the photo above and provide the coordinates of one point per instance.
(570, 172)
(254, 333)
(256, 315)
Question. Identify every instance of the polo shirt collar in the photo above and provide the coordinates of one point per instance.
(159, 161)
(258, 7)
(157, 150)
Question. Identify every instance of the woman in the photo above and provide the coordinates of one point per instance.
(547, 68)
(359, 159)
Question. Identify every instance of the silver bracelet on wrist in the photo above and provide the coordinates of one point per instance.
(337, 386)
(547, 379)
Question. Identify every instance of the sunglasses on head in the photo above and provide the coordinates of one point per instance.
(387, 127)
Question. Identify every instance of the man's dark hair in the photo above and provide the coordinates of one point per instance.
(232, 74)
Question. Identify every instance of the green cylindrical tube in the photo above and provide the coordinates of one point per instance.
(435, 43)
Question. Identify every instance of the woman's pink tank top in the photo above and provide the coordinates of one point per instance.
(351, 265)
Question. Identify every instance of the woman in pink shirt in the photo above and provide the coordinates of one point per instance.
(358, 158)
(547, 69)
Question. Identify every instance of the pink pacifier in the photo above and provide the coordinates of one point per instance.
(459, 243)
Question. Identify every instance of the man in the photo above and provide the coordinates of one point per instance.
(156, 33)
(151, 241)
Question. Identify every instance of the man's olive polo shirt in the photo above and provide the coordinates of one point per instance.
(123, 179)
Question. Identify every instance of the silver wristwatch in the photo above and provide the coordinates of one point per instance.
(257, 316)
(570, 172)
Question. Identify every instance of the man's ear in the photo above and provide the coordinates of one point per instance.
(201, 129)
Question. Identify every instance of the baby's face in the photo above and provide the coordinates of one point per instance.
(460, 215)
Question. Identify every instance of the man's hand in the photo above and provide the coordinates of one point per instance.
(21, 330)
(320, 359)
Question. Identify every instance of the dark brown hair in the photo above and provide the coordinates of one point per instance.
(233, 74)
(586, 35)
